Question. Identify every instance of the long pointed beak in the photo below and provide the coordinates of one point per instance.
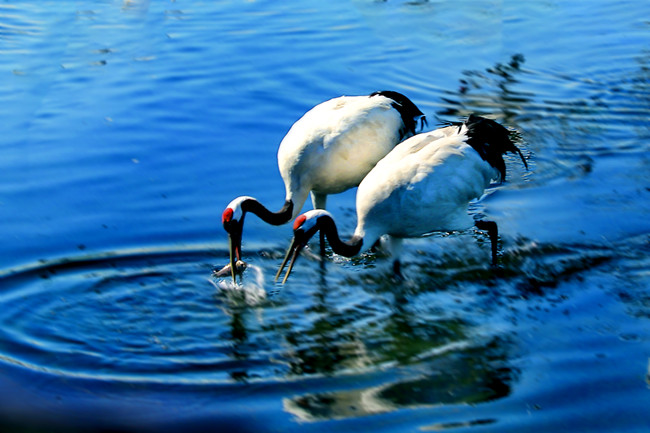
(234, 247)
(293, 252)
(285, 260)
(296, 252)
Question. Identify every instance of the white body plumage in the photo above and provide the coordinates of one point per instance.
(335, 144)
(423, 185)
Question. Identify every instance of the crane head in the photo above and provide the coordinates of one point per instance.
(304, 228)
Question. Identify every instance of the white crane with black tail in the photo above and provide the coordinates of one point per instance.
(422, 186)
(328, 150)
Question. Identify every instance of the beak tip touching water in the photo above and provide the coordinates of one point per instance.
(292, 252)
(235, 264)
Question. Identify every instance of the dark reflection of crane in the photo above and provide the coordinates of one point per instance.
(238, 338)
(465, 374)
(407, 335)
(451, 367)
(458, 374)
(334, 340)
(331, 343)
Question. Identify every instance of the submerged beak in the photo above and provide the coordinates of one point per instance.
(234, 247)
(293, 252)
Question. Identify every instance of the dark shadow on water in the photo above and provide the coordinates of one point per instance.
(461, 374)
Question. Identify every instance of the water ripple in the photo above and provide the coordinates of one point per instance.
(156, 316)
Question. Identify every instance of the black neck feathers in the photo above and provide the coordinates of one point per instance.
(346, 249)
(274, 218)
(491, 140)
(408, 110)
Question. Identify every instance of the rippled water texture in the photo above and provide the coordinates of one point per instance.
(127, 126)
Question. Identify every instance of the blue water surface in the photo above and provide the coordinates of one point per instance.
(126, 127)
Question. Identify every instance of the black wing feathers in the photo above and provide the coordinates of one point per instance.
(491, 140)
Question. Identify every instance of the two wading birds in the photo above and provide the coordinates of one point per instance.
(422, 185)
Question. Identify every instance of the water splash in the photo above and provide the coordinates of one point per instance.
(251, 288)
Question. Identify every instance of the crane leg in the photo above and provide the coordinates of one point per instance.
(493, 233)
(397, 269)
(319, 201)
(322, 244)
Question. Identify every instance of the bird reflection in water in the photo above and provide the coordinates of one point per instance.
(459, 373)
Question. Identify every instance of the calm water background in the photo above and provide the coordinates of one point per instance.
(127, 126)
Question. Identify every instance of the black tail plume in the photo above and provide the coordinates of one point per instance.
(491, 140)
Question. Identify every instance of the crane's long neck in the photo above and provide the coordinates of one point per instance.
(280, 217)
(349, 248)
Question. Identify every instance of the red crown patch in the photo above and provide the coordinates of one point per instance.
(299, 221)
(227, 216)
